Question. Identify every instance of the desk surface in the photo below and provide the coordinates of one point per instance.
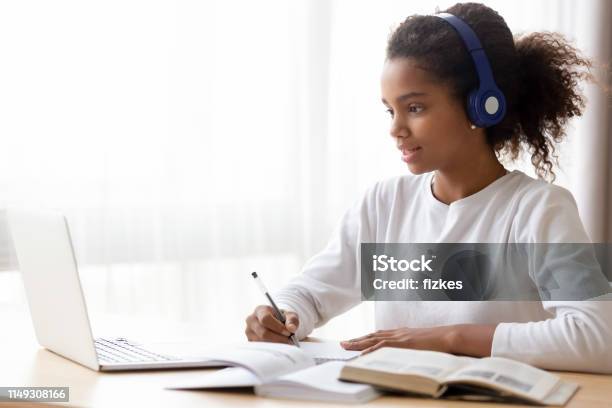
(24, 363)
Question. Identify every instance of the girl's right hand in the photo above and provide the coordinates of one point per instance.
(262, 325)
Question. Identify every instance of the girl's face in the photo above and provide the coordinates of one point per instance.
(429, 125)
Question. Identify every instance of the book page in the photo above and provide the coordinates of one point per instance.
(508, 375)
(430, 364)
(561, 394)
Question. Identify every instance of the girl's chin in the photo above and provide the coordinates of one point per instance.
(416, 170)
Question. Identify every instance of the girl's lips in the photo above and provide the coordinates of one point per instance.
(410, 155)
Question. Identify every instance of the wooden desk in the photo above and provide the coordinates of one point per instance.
(24, 363)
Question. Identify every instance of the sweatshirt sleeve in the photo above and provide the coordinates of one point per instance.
(577, 335)
(330, 283)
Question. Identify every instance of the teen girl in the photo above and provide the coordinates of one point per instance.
(460, 192)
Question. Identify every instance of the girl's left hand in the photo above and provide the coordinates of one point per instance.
(466, 339)
(434, 338)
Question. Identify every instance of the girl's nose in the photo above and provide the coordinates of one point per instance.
(398, 130)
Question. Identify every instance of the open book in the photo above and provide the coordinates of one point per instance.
(444, 375)
(284, 371)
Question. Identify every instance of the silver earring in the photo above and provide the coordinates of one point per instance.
(472, 126)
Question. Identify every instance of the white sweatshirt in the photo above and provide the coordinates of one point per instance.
(560, 335)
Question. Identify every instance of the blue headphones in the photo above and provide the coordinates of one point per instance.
(486, 106)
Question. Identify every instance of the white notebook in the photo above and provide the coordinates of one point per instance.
(284, 371)
(318, 383)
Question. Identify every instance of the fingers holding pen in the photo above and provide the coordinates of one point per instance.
(292, 321)
(269, 323)
(267, 318)
(262, 325)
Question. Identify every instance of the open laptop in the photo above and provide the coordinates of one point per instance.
(57, 306)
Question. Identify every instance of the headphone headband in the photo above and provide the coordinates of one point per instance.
(486, 105)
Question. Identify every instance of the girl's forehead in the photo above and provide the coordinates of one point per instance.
(402, 75)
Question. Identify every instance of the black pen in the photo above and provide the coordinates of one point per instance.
(279, 315)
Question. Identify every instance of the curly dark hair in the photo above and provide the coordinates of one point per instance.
(538, 73)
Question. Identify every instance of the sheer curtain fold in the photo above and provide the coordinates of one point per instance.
(592, 176)
(215, 137)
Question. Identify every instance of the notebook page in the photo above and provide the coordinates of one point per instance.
(327, 351)
(265, 360)
(318, 383)
(232, 377)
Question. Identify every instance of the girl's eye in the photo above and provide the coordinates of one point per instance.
(411, 109)
(415, 108)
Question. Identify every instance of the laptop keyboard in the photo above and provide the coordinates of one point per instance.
(121, 351)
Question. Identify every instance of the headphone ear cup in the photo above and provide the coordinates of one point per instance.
(472, 108)
(477, 107)
(494, 106)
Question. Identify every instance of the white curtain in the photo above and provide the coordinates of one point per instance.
(191, 142)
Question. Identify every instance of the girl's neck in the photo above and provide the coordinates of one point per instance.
(452, 185)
